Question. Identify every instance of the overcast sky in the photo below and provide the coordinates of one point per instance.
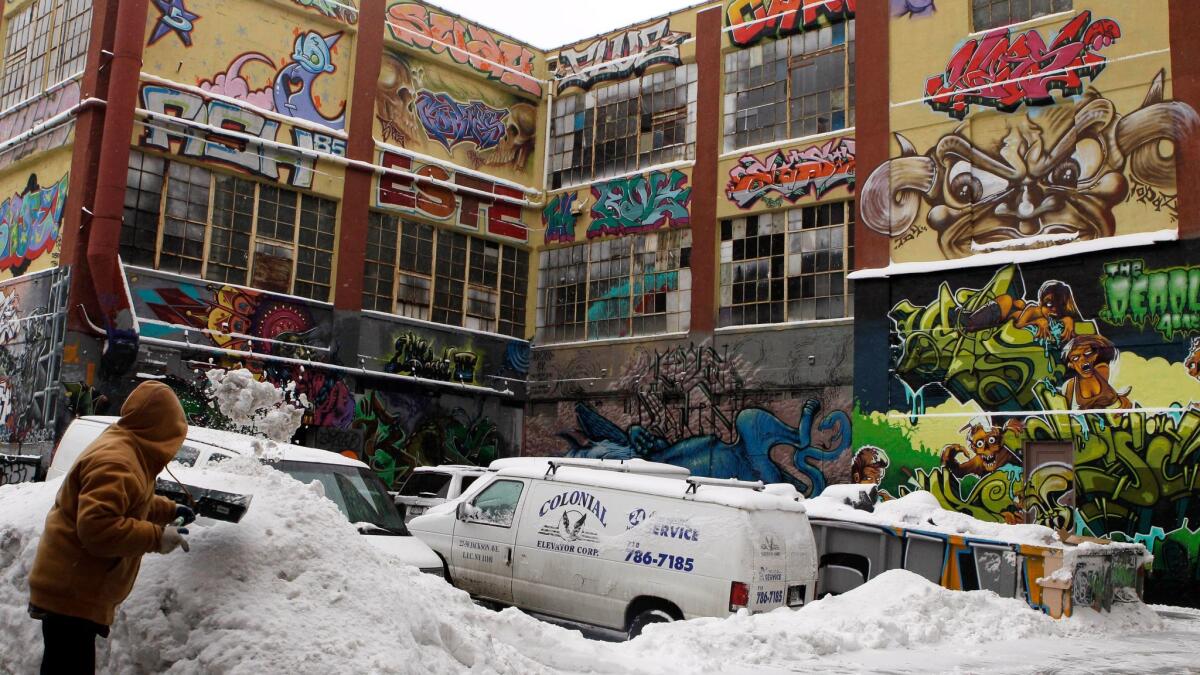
(554, 23)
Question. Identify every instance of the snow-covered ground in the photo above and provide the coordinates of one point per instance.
(293, 588)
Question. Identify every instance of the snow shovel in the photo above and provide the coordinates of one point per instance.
(214, 504)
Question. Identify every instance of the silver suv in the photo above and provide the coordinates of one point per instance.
(431, 485)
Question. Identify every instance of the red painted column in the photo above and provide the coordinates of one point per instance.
(1185, 86)
(704, 176)
(872, 120)
(104, 240)
(85, 154)
(360, 145)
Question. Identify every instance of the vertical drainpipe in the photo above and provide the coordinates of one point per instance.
(104, 239)
(1184, 19)
(705, 185)
(360, 145)
(81, 194)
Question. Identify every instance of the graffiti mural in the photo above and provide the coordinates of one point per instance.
(32, 324)
(404, 431)
(174, 18)
(616, 58)
(291, 88)
(450, 122)
(1052, 176)
(436, 201)
(1166, 299)
(414, 25)
(345, 11)
(640, 203)
(26, 116)
(1002, 71)
(422, 108)
(913, 8)
(987, 370)
(415, 355)
(259, 159)
(30, 224)
(755, 20)
(559, 218)
(792, 174)
(17, 469)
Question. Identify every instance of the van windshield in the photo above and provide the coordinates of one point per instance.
(358, 492)
(426, 484)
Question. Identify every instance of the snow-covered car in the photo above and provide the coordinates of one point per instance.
(612, 550)
(349, 483)
(432, 485)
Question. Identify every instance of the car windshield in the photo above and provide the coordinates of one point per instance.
(426, 483)
(357, 491)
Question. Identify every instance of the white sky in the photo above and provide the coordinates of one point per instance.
(554, 23)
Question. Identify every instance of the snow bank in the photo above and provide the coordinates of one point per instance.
(921, 510)
(294, 588)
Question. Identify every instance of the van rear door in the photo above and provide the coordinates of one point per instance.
(482, 548)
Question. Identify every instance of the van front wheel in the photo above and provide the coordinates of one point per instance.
(646, 618)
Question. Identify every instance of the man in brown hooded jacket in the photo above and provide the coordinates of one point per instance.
(106, 516)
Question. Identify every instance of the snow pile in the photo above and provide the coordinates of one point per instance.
(257, 407)
(921, 510)
(292, 588)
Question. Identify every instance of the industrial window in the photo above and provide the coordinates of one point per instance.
(479, 284)
(637, 285)
(227, 229)
(787, 265)
(44, 44)
(790, 88)
(987, 14)
(624, 127)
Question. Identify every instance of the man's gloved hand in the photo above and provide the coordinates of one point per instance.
(172, 538)
(184, 514)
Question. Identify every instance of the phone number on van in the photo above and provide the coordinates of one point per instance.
(675, 562)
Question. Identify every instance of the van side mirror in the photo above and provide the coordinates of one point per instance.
(460, 511)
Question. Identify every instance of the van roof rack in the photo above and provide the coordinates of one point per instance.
(618, 465)
(694, 483)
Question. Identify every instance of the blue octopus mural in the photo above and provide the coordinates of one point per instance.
(764, 448)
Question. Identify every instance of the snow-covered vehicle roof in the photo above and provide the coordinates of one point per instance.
(638, 466)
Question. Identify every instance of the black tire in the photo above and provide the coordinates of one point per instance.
(647, 617)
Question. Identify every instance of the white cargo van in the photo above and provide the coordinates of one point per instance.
(613, 551)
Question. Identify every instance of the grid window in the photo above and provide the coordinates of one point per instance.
(787, 265)
(143, 199)
(186, 219)
(451, 274)
(223, 228)
(314, 260)
(623, 127)
(43, 44)
(379, 265)
(638, 285)
(987, 14)
(232, 224)
(482, 293)
(416, 271)
(514, 275)
(789, 88)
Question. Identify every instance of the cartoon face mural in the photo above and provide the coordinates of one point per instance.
(1050, 177)
(430, 109)
(291, 91)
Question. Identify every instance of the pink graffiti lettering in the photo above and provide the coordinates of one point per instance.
(792, 174)
(1001, 72)
(412, 24)
(30, 223)
(33, 113)
(754, 20)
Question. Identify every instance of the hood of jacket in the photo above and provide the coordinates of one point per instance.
(153, 416)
